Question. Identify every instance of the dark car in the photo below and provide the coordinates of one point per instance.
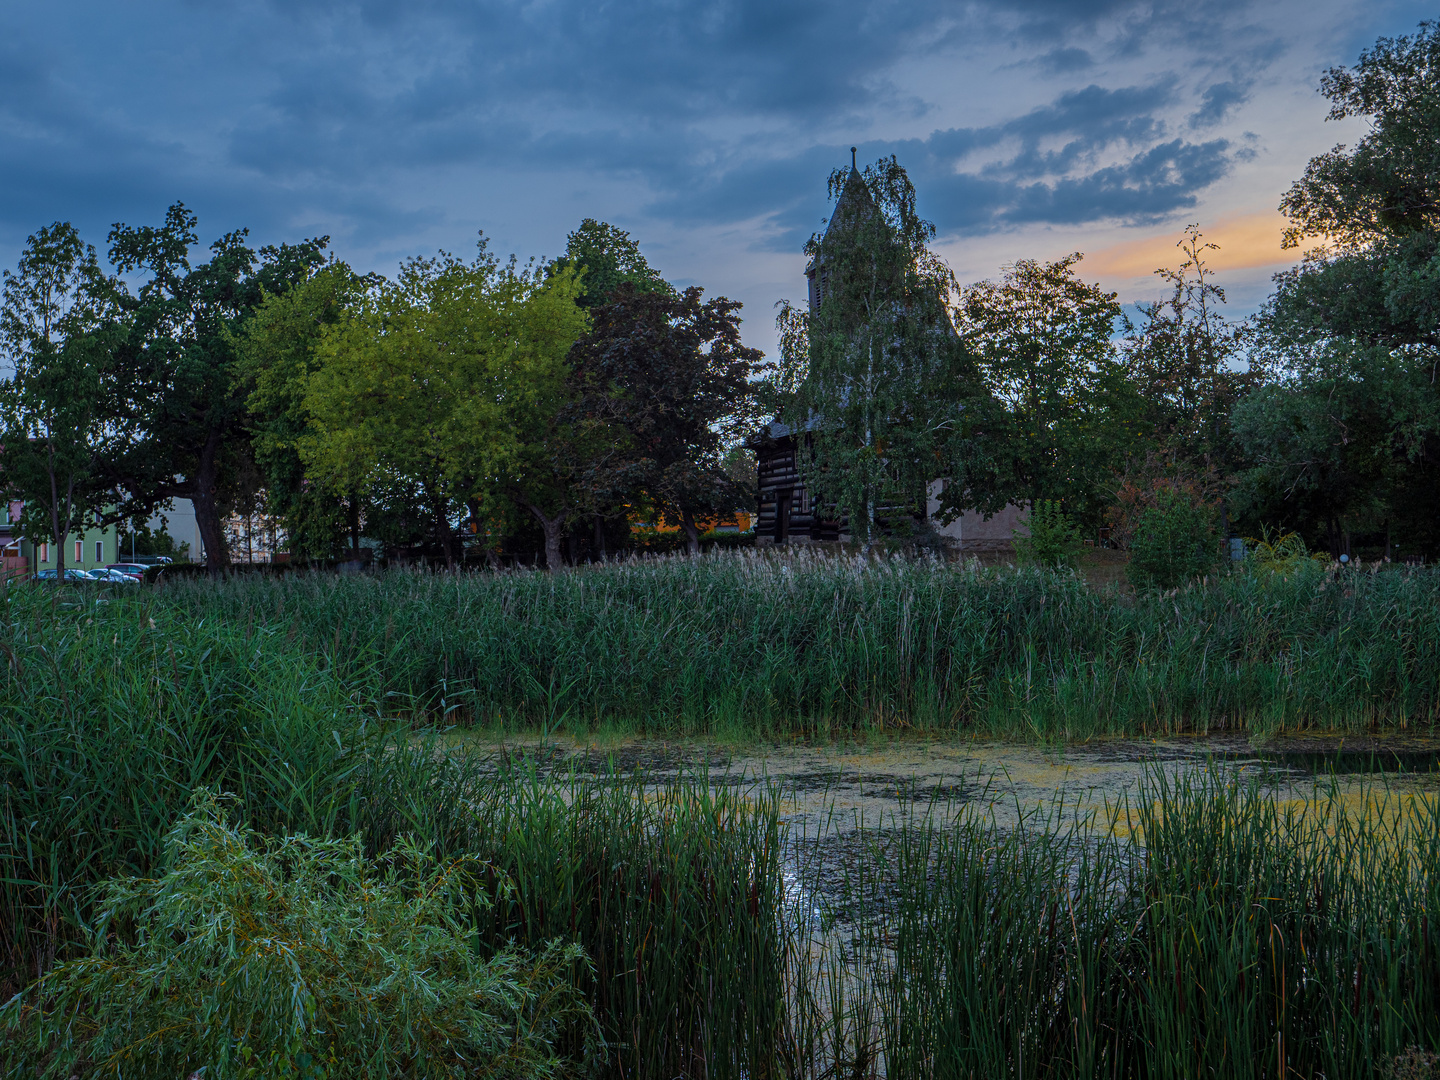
(132, 569)
(70, 575)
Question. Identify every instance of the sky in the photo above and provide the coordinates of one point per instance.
(1031, 128)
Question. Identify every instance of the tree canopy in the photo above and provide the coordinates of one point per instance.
(1345, 436)
(670, 371)
(55, 428)
(453, 377)
(1067, 414)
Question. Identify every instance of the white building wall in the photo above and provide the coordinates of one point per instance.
(178, 518)
(972, 531)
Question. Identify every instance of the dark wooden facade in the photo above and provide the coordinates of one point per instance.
(787, 511)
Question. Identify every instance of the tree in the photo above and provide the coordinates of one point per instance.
(670, 371)
(1067, 415)
(453, 378)
(1157, 476)
(180, 387)
(1053, 541)
(1338, 439)
(277, 355)
(609, 259)
(53, 408)
(1346, 433)
(1183, 360)
(1388, 186)
(1175, 542)
(883, 380)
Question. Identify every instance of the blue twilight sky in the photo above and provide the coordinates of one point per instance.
(1031, 128)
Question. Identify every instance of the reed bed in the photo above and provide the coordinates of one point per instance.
(113, 712)
(1223, 931)
(1246, 936)
(749, 645)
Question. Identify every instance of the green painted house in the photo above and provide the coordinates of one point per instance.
(86, 551)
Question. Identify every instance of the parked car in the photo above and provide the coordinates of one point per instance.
(70, 575)
(118, 577)
(133, 569)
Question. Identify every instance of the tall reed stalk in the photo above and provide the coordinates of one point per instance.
(735, 642)
(1248, 936)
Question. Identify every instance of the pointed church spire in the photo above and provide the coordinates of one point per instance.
(852, 159)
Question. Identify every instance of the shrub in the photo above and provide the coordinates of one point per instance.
(1282, 554)
(295, 957)
(1175, 542)
(1054, 541)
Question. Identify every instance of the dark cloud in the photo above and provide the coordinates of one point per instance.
(283, 114)
(1218, 101)
(1093, 154)
(1063, 61)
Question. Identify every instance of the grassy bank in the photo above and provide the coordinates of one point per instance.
(1244, 936)
(747, 645)
(113, 713)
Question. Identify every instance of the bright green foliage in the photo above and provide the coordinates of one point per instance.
(1175, 542)
(56, 409)
(277, 356)
(453, 378)
(1067, 414)
(1054, 541)
(884, 378)
(296, 957)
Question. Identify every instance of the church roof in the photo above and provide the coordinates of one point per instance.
(854, 197)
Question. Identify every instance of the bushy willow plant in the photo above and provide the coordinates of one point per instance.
(1280, 554)
(296, 957)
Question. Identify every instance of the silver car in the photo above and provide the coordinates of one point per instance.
(115, 577)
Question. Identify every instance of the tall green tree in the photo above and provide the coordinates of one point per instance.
(609, 258)
(1067, 414)
(181, 392)
(1387, 186)
(454, 378)
(1346, 434)
(55, 421)
(277, 353)
(881, 387)
(671, 372)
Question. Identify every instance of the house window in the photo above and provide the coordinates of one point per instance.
(79, 551)
(44, 552)
(99, 551)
